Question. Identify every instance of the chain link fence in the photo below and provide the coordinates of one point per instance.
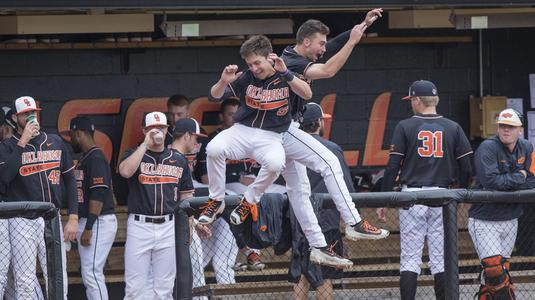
(30, 251)
(444, 256)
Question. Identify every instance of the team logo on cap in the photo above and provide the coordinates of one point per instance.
(507, 115)
(157, 117)
(27, 102)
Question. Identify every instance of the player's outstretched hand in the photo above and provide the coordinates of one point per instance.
(381, 214)
(277, 62)
(372, 15)
(85, 238)
(357, 32)
(230, 74)
(70, 230)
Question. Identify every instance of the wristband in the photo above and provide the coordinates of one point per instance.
(287, 76)
(91, 218)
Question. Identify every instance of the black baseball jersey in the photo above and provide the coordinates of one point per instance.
(37, 171)
(264, 104)
(298, 64)
(93, 173)
(430, 146)
(156, 186)
(234, 168)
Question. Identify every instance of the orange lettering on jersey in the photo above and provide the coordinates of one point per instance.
(431, 144)
(36, 168)
(521, 160)
(98, 180)
(144, 179)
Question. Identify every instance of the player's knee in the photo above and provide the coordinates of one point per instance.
(274, 164)
(215, 150)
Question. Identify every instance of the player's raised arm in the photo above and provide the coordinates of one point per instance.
(298, 86)
(222, 87)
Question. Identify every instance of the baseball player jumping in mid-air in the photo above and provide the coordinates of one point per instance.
(34, 165)
(97, 224)
(502, 163)
(265, 90)
(302, 150)
(427, 148)
(157, 178)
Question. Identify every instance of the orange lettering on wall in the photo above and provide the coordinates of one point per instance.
(132, 131)
(72, 108)
(327, 104)
(200, 106)
(351, 157)
(374, 155)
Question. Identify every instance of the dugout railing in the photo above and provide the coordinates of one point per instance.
(450, 200)
(34, 210)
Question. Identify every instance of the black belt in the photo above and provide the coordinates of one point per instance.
(421, 186)
(154, 220)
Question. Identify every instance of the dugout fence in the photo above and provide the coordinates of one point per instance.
(375, 274)
(9, 212)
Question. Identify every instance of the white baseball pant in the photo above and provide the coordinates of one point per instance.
(197, 268)
(492, 238)
(93, 257)
(415, 224)
(25, 236)
(304, 151)
(149, 245)
(241, 142)
(221, 249)
(5, 257)
(238, 188)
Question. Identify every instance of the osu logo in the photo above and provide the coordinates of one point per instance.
(157, 117)
(27, 102)
(507, 115)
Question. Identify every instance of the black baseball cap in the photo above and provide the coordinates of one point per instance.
(82, 123)
(313, 111)
(188, 125)
(7, 118)
(421, 88)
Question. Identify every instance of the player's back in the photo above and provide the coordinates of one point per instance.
(431, 145)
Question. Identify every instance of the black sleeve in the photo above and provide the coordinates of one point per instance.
(67, 174)
(397, 154)
(489, 175)
(465, 170)
(463, 147)
(391, 172)
(200, 168)
(186, 182)
(335, 44)
(99, 177)
(10, 162)
(297, 63)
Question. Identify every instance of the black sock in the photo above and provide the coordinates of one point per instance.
(407, 283)
(440, 292)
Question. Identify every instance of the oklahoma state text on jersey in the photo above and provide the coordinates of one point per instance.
(33, 173)
(155, 187)
(265, 103)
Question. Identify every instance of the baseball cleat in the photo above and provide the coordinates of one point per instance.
(327, 257)
(241, 212)
(210, 211)
(364, 230)
(254, 263)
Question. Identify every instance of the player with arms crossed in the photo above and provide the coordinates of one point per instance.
(427, 148)
(302, 150)
(157, 177)
(502, 163)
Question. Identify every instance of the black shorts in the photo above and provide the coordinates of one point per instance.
(300, 264)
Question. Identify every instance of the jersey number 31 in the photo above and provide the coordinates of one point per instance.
(431, 144)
